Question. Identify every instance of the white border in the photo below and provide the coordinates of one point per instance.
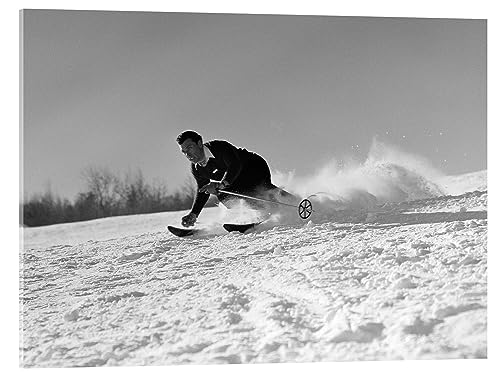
(10, 152)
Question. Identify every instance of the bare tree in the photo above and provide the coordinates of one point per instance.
(135, 193)
(104, 186)
(189, 188)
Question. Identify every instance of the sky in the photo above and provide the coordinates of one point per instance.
(114, 89)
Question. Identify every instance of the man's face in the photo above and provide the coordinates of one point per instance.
(193, 151)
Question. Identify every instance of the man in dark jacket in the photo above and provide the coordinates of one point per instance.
(219, 165)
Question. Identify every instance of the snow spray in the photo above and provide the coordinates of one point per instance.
(388, 175)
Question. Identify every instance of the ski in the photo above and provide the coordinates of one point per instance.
(242, 228)
(181, 232)
(186, 232)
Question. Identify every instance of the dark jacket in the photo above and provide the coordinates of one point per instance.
(229, 164)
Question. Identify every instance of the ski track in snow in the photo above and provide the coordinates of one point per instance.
(406, 281)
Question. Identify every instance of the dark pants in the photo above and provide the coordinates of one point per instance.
(255, 181)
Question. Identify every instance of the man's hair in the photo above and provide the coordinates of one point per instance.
(188, 134)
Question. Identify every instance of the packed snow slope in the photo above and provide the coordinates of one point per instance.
(365, 278)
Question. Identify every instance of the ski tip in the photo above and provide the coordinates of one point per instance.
(181, 232)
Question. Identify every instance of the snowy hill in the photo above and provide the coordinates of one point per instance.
(396, 280)
(455, 185)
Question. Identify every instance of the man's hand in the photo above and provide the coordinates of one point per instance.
(212, 187)
(189, 219)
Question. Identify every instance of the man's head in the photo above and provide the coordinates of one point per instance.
(191, 145)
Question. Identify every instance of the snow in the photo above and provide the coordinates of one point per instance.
(400, 279)
(454, 185)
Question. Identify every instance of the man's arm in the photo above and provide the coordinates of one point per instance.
(200, 198)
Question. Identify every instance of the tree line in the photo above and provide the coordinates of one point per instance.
(106, 194)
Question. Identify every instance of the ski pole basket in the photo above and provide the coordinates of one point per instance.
(305, 209)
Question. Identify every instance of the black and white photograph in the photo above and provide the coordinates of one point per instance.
(224, 188)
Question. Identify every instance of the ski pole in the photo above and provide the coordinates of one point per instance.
(304, 207)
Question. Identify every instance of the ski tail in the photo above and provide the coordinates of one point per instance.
(242, 228)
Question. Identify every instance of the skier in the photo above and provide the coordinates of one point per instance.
(218, 165)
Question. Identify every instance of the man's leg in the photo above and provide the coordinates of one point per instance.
(255, 181)
(227, 200)
(277, 194)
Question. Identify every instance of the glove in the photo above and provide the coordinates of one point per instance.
(189, 219)
(213, 187)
